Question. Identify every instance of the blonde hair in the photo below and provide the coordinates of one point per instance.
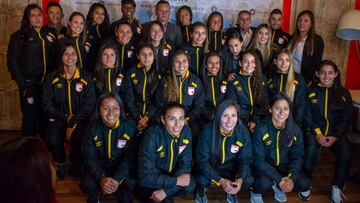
(290, 82)
(266, 54)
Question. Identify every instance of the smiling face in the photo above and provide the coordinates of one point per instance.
(263, 36)
(181, 64)
(54, 15)
(69, 57)
(108, 58)
(109, 111)
(127, 10)
(244, 21)
(280, 112)
(327, 75)
(215, 23)
(213, 65)
(156, 33)
(282, 62)
(185, 17)
(35, 18)
(98, 16)
(275, 21)
(76, 25)
(198, 36)
(123, 34)
(146, 57)
(174, 121)
(235, 46)
(248, 64)
(228, 120)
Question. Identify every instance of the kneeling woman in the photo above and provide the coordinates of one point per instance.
(68, 99)
(165, 157)
(107, 150)
(227, 162)
(278, 152)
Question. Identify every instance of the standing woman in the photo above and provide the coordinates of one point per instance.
(31, 56)
(162, 48)
(331, 110)
(248, 89)
(285, 80)
(77, 34)
(278, 151)
(306, 46)
(214, 26)
(231, 55)
(109, 76)
(184, 17)
(197, 48)
(107, 151)
(223, 154)
(262, 45)
(68, 99)
(98, 25)
(184, 87)
(140, 84)
(214, 82)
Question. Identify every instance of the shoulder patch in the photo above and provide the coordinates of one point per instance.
(239, 143)
(194, 84)
(83, 81)
(132, 75)
(265, 136)
(312, 94)
(126, 136)
(55, 80)
(236, 82)
(159, 149)
(185, 141)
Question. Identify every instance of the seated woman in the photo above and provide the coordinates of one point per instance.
(109, 76)
(165, 157)
(214, 84)
(107, 151)
(68, 98)
(223, 154)
(278, 151)
(231, 55)
(27, 171)
(330, 112)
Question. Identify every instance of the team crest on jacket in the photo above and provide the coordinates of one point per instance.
(234, 149)
(281, 40)
(223, 89)
(130, 53)
(121, 143)
(191, 91)
(79, 87)
(166, 52)
(181, 148)
(118, 81)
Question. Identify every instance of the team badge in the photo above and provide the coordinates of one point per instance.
(118, 81)
(138, 30)
(50, 39)
(30, 100)
(223, 89)
(166, 52)
(234, 149)
(79, 87)
(121, 143)
(181, 148)
(281, 40)
(191, 91)
(130, 53)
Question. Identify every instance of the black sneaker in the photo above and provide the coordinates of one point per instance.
(61, 172)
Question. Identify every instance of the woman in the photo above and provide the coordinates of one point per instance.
(140, 85)
(184, 17)
(214, 26)
(306, 46)
(183, 87)
(278, 151)
(27, 172)
(165, 157)
(231, 55)
(249, 91)
(68, 99)
(107, 151)
(109, 76)
(162, 48)
(98, 25)
(223, 154)
(263, 46)
(31, 56)
(285, 80)
(214, 83)
(331, 110)
(77, 34)
(197, 47)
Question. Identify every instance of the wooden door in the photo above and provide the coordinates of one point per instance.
(11, 12)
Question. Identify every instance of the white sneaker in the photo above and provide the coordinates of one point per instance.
(279, 195)
(304, 196)
(256, 198)
(337, 195)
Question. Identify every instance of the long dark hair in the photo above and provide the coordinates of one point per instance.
(211, 16)
(84, 32)
(178, 21)
(67, 43)
(152, 75)
(25, 21)
(203, 73)
(25, 171)
(290, 124)
(163, 40)
(99, 70)
(107, 95)
(336, 101)
(216, 139)
(89, 17)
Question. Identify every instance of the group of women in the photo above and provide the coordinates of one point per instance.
(140, 117)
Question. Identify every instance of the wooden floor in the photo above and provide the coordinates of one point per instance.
(68, 190)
